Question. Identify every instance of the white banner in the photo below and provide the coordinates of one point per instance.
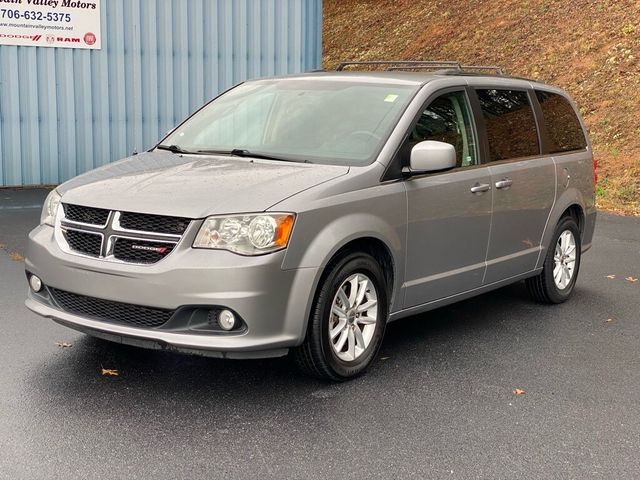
(51, 23)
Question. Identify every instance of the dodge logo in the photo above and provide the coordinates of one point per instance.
(149, 249)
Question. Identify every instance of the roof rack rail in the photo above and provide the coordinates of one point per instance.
(456, 70)
(452, 66)
(443, 68)
(405, 63)
(497, 70)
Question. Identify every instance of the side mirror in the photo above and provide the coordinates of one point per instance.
(431, 156)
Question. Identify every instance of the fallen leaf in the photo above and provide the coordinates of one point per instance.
(16, 257)
(631, 279)
(519, 391)
(108, 372)
(611, 277)
(64, 344)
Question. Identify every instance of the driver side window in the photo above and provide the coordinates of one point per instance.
(448, 119)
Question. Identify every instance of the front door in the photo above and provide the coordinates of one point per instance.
(449, 214)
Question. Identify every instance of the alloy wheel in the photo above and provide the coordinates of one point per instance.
(354, 314)
(564, 259)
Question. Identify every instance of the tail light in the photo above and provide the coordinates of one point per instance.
(595, 173)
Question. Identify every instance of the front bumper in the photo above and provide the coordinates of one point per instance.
(273, 303)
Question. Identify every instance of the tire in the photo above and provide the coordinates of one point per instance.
(544, 288)
(319, 355)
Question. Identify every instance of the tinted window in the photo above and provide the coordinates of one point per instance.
(511, 126)
(447, 119)
(562, 124)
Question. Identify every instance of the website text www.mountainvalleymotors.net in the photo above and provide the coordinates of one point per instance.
(39, 26)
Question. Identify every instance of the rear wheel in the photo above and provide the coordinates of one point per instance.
(561, 265)
(347, 321)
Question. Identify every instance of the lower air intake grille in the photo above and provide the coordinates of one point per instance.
(110, 311)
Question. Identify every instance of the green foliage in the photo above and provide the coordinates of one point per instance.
(627, 193)
(628, 29)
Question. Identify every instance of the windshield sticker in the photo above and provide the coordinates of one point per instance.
(391, 98)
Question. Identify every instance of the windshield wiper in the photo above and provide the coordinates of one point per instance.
(173, 148)
(242, 152)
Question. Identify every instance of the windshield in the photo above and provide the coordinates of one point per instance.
(307, 120)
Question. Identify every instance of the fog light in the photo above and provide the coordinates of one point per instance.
(35, 283)
(226, 320)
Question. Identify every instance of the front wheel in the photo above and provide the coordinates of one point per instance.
(561, 265)
(347, 321)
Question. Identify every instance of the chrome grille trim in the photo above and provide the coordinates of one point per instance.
(166, 224)
(77, 224)
(65, 206)
(111, 245)
(118, 228)
(109, 232)
(66, 229)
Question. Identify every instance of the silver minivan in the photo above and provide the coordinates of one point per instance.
(301, 214)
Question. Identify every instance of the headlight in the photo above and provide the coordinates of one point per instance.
(50, 208)
(249, 234)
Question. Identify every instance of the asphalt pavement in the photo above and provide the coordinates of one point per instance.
(439, 403)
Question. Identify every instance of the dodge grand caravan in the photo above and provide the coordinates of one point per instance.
(301, 214)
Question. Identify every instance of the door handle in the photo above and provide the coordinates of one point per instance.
(504, 183)
(480, 187)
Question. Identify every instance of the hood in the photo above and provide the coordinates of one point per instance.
(193, 186)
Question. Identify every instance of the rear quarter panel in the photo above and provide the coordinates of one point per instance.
(575, 186)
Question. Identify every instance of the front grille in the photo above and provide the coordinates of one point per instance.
(138, 251)
(84, 242)
(125, 236)
(110, 311)
(154, 223)
(78, 213)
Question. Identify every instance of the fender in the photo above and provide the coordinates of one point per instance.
(380, 213)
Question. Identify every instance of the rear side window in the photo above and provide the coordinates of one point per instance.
(510, 124)
(562, 124)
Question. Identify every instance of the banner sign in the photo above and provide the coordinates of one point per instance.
(50, 23)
